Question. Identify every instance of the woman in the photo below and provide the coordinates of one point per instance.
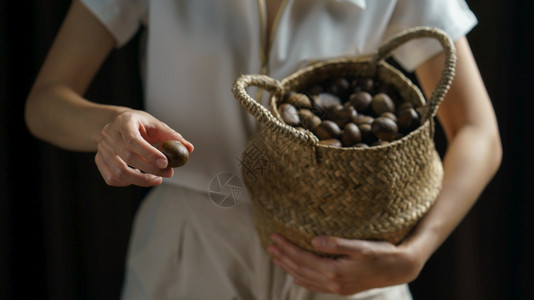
(182, 245)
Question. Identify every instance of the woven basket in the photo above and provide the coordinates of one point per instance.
(300, 189)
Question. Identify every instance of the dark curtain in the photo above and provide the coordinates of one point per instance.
(64, 233)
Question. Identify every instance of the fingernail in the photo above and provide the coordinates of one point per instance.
(161, 163)
(319, 242)
(157, 180)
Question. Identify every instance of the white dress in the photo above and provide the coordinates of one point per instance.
(183, 246)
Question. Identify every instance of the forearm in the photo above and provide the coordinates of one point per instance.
(55, 109)
(470, 162)
(473, 154)
(59, 115)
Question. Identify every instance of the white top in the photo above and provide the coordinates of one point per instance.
(197, 48)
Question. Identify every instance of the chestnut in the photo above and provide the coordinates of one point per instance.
(339, 87)
(327, 100)
(330, 142)
(289, 114)
(351, 135)
(361, 101)
(176, 153)
(308, 119)
(343, 115)
(299, 100)
(384, 128)
(382, 103)
(327, 130)
(408, 120)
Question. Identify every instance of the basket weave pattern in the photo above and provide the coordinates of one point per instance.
(376, 193)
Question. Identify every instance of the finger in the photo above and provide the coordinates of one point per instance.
(312, 287)
(123, 173)
(341, 286)
(134, 160)
(302, 258)
(338, 246)
(117, 173)
(305, 283)
(185, 142)
(140, 131)
(135, 146)
(363, 250)
(293, 268)
(106, 173)
(161, 132)
(320, 287)
(316, 286)
(125, 142)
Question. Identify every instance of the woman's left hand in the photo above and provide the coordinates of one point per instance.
(363, 265)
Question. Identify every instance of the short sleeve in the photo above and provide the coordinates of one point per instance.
(121, 17)
(452, 16)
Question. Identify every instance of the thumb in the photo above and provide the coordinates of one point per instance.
(163, 133)
(185, 142)
(335, 245)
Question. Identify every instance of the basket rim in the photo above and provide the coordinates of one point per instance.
(286, 84)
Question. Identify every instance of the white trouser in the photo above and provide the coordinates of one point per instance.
(183, 246)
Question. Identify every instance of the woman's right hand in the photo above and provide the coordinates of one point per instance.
(126, 155)
(57, 112)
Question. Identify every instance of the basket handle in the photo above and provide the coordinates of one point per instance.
(447, 74)
(262, 114)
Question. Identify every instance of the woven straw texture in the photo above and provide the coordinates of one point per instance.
(301, 189)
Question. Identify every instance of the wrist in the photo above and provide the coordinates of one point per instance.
(108, 115)
(421, 243)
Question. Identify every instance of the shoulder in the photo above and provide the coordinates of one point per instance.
(122, 18)
(452, 16)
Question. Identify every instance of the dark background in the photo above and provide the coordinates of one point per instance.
(64, 233)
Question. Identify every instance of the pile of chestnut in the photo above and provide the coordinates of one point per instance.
(350, 112)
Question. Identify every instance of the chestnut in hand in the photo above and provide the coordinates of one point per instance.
(176, 153)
